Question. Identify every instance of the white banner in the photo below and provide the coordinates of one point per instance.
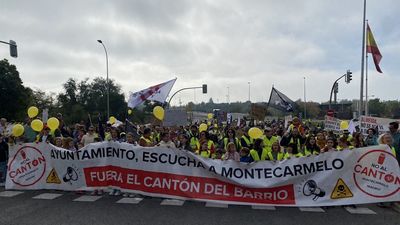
(332, 124)
(358, 176)
(382, 124)
(287, 120)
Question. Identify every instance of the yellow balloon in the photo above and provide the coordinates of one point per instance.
(158, 112)
(255, 132)
(37, 125)
(210, 116)
(33, 111)
(208, 123)
(202, 127)
(344, 125)
(129, 111)
(17, 130)
(53, 123)
(112, 119)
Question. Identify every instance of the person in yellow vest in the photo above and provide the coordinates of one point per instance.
(289, 152)
(231, 137)
(269, 138)
(246, 140)
(203, 151)
(386, 139)
(311, 146)
(156, 135)
(296, 124)
(259, 153)
(193, 138)
(346, 134)
(205, 139)
(276, 153)
(146, 140)
(343, 144)
(295, 138)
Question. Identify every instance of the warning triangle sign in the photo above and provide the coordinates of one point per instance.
(341, 190)
(52, 178)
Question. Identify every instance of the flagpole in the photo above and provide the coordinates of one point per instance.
(362, 62)
(366, 82)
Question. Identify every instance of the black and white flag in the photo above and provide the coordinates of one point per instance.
(280, 101)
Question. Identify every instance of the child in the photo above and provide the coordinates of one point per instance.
(218, 154)
(245, 155)
(289, 152)
(204, 152)
(231, 153)
(330, 146)
(276, 154)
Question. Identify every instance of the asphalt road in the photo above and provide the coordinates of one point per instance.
(24, 208)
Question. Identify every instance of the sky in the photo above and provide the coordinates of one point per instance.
(222, 43)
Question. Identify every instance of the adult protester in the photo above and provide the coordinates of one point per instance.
(89, 137)
(166, 140)
(269, 138)
(371, 138)
(146, 139)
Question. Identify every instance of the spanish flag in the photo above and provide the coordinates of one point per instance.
(372, 48)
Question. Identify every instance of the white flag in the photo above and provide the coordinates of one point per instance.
(156, 93)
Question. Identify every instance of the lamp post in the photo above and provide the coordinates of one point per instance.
(108, 84)
(305, 101)
(249, 90)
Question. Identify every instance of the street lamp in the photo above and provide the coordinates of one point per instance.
(249, 90)
(108, 84)
(305, 101)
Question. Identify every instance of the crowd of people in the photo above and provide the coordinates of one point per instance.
(218, 141)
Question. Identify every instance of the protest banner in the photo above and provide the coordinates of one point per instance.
(332, 124)
(359, 176)
(380, 124)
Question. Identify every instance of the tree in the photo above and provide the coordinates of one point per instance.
(42, 100)
(83, 98)
(14, 96)
(376, 108)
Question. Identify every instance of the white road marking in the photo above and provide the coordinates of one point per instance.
(10, 193)
(216, 205)
(359, 210)
(174, 202)
(47, 196)
(263, 207)
(87, 198)
(311, 209)
(129, 200)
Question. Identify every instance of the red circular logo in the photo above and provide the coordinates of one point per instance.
(27, 166)
(375, 174)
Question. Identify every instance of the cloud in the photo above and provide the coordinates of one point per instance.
(220, 43)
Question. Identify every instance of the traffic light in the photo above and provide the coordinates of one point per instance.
(348, 76)
(336, 88)
(204, 88)
(13, 49)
